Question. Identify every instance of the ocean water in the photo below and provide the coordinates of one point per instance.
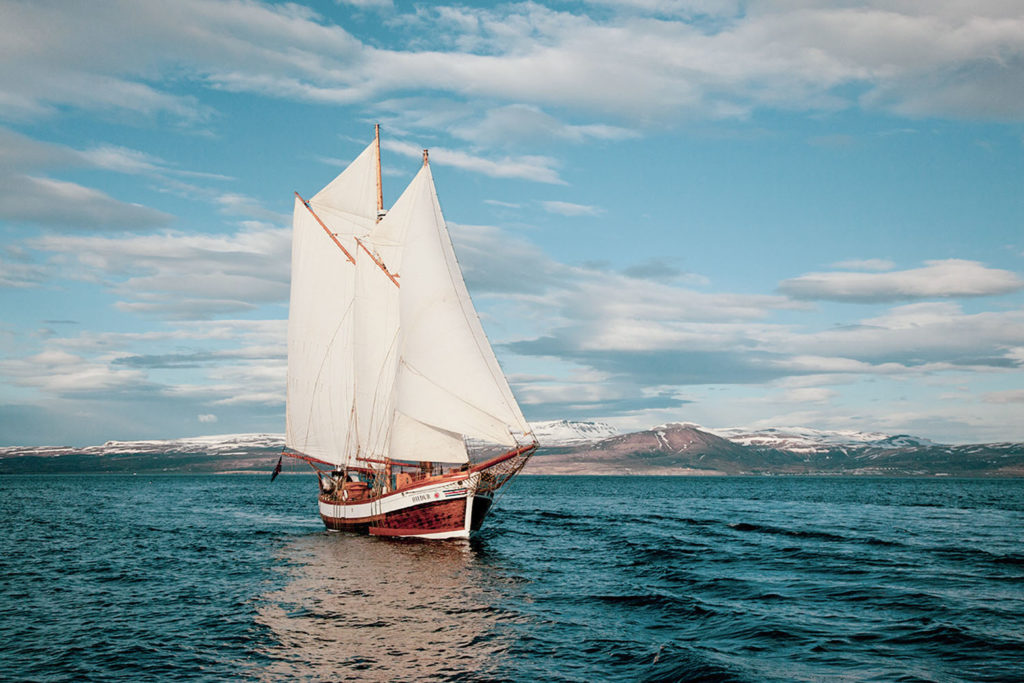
(572, 579)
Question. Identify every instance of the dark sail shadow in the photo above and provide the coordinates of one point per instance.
(357, 607)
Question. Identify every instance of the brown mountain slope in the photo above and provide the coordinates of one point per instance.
(685, 449)
(670, 449)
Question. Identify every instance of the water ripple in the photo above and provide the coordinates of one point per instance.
(572, 579)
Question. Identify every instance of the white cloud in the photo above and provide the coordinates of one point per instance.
(938, 279)
(775, 56)
(367, 4)
(639, 334)
(803, 395)
(945, 59)
(180, 274)
(923, 334)
(570, 393)
(659, 269)
(59, 372)
(872, 264)
(634, 342)
(41, 200)
(132, 161)
(833, 366)
(20, 273)
(241, 205)
(182, 308)
(684, 8)
(518, 123)
(22, 154)
(121, 159)
(537, 168)
(492, 260)
(201, 363)
(60, 203)
(144, 384)
(90, 57)
(570, 209)
(252, 339)
(1010, 396)
(632, 329)
(504, 205)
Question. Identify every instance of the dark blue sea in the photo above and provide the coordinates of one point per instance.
(156, 578)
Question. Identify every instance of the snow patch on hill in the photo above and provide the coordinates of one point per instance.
(806, 440)
(219, 444)
(571, 432)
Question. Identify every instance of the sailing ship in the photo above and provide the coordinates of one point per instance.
(389, 369)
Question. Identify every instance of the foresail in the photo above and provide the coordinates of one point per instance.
(321, 417)
(448, 377)
(320, 323)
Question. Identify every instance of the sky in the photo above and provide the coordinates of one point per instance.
(760, 214)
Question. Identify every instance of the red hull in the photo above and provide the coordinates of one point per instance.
(433, 517)
(444, 506)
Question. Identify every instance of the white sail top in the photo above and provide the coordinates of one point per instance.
(349, 202)
(377, 370)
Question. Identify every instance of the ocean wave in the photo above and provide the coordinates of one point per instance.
(671, 579)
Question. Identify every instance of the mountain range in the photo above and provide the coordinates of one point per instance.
(576, 447)
(688, 449)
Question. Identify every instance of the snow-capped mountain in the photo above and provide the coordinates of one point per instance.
(806, 440)
(218, 444)
(570, 432)
(577, 447)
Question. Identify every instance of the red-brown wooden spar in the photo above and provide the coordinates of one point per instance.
(334, 238)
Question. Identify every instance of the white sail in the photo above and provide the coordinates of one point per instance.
(413, 441)
(377, 370)
(320, 362)
(375, 354)
(352, 196)
(448, 377)
(321, 317)
(376, 338)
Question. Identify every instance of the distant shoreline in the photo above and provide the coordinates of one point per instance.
(676, 450)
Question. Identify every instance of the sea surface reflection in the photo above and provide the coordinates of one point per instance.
(364, 608)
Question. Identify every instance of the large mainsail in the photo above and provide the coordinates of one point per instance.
(386, 354)
(448, 382)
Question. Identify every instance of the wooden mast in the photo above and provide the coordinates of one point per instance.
(380, 186)
(426, 156)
